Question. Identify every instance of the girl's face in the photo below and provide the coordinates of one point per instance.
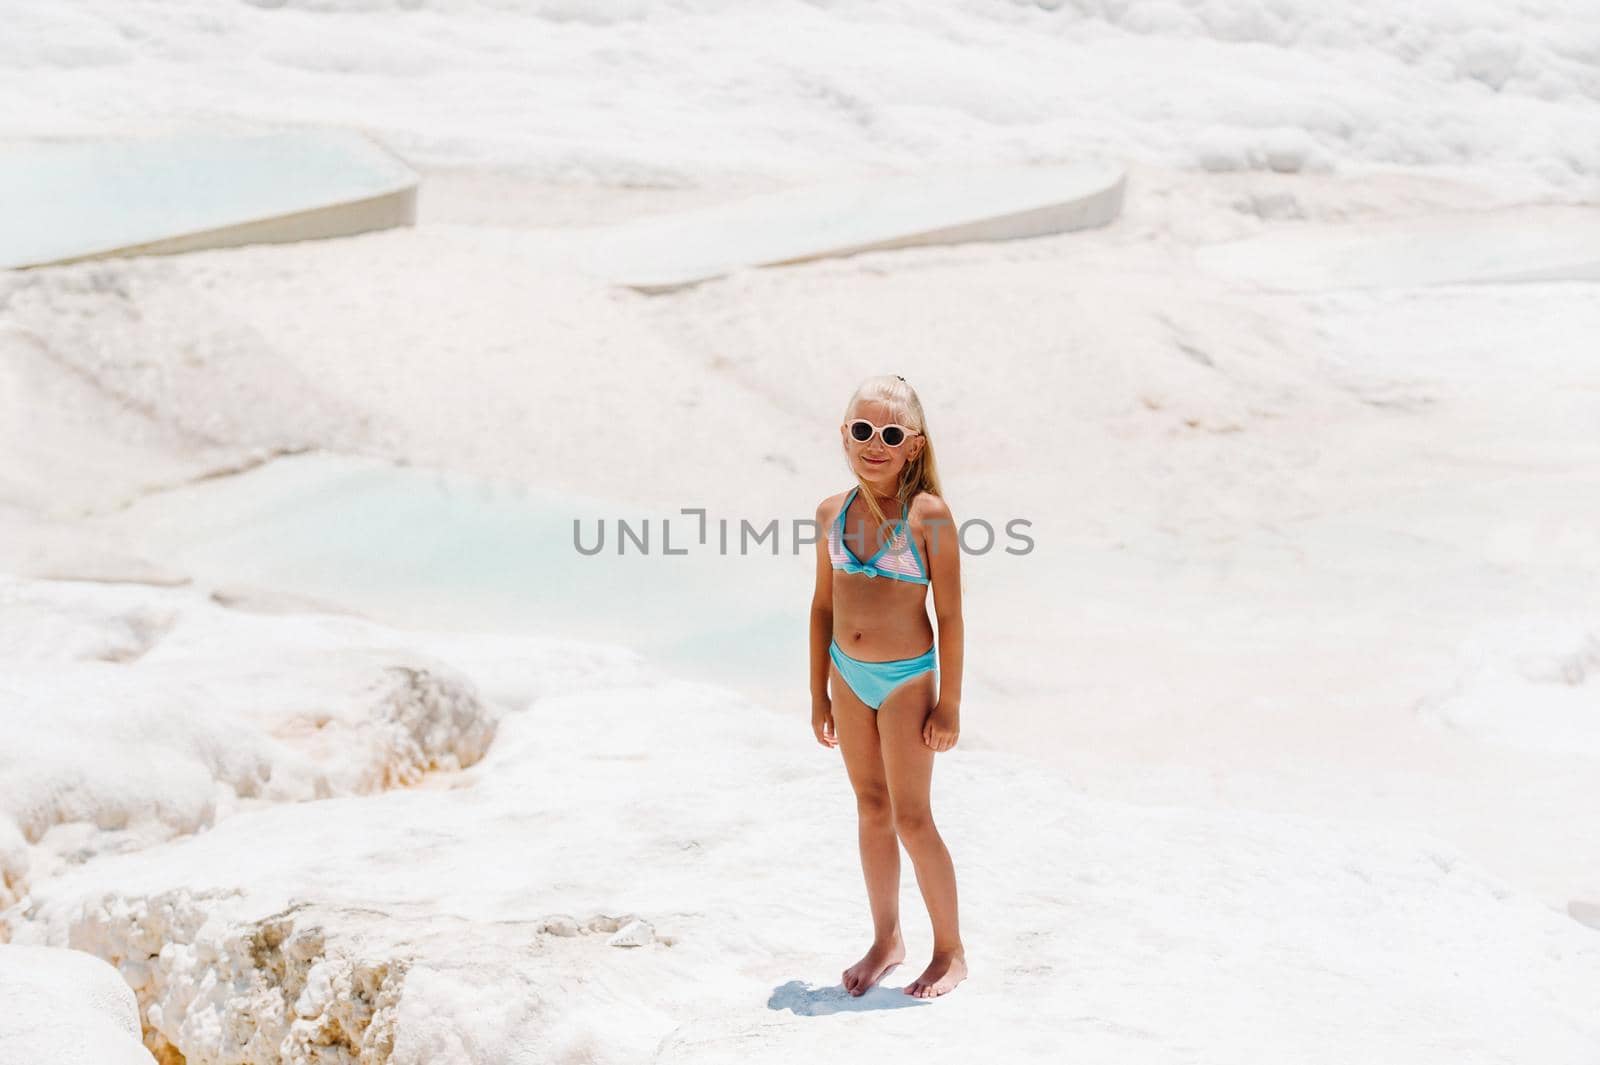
(872, 460)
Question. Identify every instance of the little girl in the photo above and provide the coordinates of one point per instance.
(869, 622)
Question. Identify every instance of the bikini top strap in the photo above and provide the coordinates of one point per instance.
(839, 522)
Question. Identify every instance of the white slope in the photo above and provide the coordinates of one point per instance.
(665, 869)
(1531, 683)
(1527, 243)
(93, 197)
(846, 218)
(132, 717)
(66, 1007)
(630, 93)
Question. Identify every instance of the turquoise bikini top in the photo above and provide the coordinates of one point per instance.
(898, 558)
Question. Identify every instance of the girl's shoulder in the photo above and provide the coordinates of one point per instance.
(930, 522)
(926, 506)
(829, 508)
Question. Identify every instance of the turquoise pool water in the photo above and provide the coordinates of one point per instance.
(69, 198)
(422, 548)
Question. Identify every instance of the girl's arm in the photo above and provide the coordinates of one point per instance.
(944, 567)
(821, 636)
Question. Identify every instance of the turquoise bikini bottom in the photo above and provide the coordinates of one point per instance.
(873, 681)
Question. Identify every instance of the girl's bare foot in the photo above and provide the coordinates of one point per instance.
(879, 959)
(946, 970)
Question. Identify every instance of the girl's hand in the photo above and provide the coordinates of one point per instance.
(942, 727)
(822, 724)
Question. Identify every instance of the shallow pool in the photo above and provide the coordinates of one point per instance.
(417, 547)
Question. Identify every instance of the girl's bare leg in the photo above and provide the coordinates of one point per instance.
(880, 850)
(908, 767)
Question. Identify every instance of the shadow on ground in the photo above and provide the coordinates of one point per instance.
(807, 1001)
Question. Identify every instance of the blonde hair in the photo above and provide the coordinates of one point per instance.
(920, 474)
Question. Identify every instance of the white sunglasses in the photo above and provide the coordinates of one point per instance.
(893, 435)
